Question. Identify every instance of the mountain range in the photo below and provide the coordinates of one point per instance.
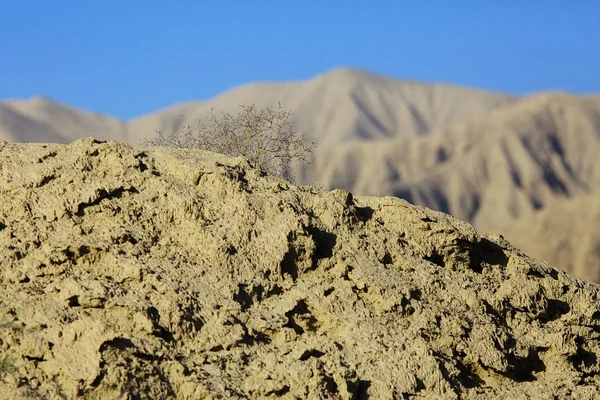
(525, 166)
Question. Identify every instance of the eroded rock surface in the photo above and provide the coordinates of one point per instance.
(173, 273)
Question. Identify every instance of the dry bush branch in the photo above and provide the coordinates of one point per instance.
(266, 137)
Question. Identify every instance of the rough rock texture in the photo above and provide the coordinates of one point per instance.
(171, 273)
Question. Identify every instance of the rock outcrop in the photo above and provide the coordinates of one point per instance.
(174, 273)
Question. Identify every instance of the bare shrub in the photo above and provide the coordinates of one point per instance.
(266, 137)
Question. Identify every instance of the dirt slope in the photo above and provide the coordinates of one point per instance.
(169, 273)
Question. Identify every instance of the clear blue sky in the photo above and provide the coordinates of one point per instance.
(129, 57)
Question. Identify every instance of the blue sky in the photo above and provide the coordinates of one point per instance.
(130, 57)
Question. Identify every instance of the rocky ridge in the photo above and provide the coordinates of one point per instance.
(176, 273)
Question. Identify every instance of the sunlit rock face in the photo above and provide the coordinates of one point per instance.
(176, 273)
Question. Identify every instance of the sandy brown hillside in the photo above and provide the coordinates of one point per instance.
(345, 104)
(488, 170)
(566, 233)
(43, 120)
(483, 157)
(336, 106)
(172, 273)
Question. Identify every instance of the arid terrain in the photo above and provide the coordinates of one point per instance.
(499, 162)
(160, 273)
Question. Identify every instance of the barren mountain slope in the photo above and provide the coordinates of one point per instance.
(344, 104)
(339, 105)
(483, 157)
(566, 232)
(16, 127)
(53, 122)
(176, 273)
(487, 170)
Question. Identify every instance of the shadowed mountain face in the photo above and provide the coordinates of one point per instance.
(487, 170)
(483, 157)
(566, 231)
